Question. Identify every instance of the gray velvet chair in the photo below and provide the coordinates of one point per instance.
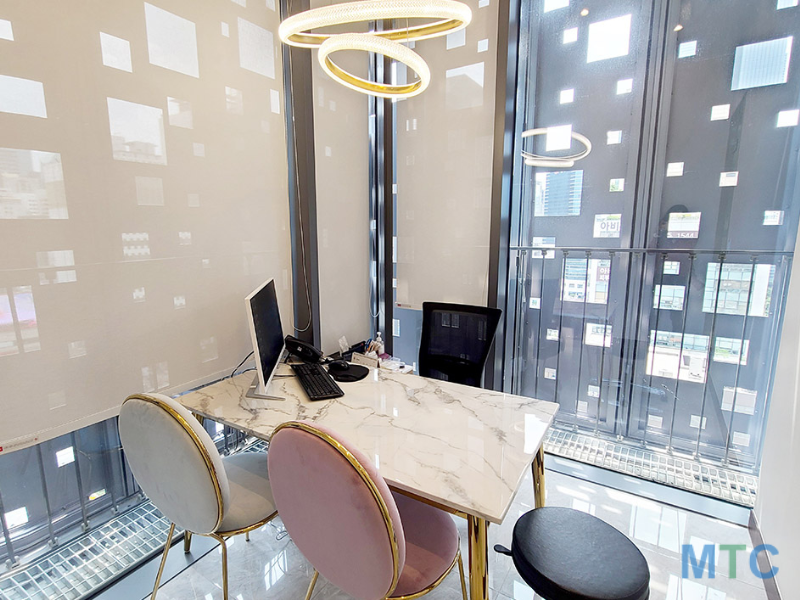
(177, 465)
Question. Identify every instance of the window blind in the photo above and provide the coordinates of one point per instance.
(143, 194)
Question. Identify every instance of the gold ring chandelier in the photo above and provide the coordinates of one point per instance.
(555, 162)
(370, 43)
(442, 16)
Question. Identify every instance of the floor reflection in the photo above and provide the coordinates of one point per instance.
(270, 566)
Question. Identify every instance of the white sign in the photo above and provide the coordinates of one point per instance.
(607, 226)
(655, 422)
(741, 439)
(560, 137)
(544, 242)
(721, 112)
(729, 179)
(675, 169)
(728, 350)
(671, 298)
(624, 86)
(683, 225)
(694, 422)
(773, 217)
(594, 335)
(788, 118)
(554, 4)
(745, 400)
(687, 49)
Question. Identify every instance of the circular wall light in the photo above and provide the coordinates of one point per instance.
(555, 162)
(370, 43)
(448, 16)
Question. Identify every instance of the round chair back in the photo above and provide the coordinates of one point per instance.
(337, 509)
(174, 461)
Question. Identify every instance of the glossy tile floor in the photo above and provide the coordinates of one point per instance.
(267, 568)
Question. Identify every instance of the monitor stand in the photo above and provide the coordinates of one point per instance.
(255, 391)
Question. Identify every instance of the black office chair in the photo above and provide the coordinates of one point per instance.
(456, 339)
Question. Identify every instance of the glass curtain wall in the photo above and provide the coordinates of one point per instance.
(651, 274)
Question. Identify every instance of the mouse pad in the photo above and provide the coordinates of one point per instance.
(353, 373)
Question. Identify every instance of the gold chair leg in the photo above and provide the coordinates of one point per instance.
(247, 537)
(311, 586)
(187, 542)
(224, 548)
(461, 576)
(537, 469)
(163, 560)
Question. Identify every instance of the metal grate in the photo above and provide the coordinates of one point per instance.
(257, 446)
(91, 561)
(660, 467)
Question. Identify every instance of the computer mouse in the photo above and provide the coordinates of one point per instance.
(338, 365)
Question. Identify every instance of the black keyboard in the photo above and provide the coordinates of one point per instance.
(316, 382)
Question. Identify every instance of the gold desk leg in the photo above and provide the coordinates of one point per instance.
(187, 542)
(163, 560)
(538, 478)
(478, 558)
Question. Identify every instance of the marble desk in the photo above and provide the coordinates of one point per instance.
(460, 448)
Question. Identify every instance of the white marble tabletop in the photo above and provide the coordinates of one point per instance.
(462, 447)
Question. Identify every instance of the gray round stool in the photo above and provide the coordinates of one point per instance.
(566, 554)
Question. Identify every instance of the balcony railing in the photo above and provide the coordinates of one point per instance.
(671, 350)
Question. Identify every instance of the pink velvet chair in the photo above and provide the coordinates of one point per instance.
(367, 540)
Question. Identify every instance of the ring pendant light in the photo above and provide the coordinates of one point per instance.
(450, 16)
(370, 43)
(442, 17)
(556, 162)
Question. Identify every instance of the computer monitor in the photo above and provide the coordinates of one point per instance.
(266, 332)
